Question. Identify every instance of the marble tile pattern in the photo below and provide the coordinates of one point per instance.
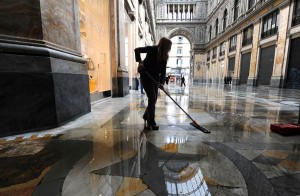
(108, 152)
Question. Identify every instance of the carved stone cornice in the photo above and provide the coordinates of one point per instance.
(181, 23)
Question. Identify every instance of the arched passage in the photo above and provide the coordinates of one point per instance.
(179, 63)
(183, 32)
(189, 35)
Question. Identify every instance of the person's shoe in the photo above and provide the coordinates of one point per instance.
(154, 127)
(151, 127)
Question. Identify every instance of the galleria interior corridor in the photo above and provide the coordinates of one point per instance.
(72, 103)
(109, 153)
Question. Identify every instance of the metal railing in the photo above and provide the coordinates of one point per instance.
(232, 48)
(296, 20)
(247, 41)
(269, 32)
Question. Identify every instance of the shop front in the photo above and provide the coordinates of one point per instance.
(96, 46)
(245, 68)
(293, 71)
(266, 65)
(231, 64)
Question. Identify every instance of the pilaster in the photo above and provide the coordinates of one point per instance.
(217, 66)
(120, 77)
(236, 79)
(226, 57)
(252, 78)
(277, 77)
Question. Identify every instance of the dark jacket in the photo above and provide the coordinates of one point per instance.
(155, 68)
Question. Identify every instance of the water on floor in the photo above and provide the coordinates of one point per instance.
(108, 152)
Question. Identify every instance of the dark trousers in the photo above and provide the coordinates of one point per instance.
(151, 90)
(137, 84)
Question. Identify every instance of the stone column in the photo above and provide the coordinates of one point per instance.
(43, 78)
(277, 77)
(194, 11)
(184, 14)
(189, 14)
(236, 79)
(226, 57)
(120, 77)
(218, 70)
(252, 78)
(168, 11)
(173, 13)
(177, 12)
(181, 13)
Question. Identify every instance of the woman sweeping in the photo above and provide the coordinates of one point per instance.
(154, 64)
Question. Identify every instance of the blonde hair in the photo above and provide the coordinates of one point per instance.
(164, 46)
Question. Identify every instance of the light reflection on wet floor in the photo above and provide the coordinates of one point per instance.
(240, 157)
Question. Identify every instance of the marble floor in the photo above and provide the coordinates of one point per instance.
(108, 152)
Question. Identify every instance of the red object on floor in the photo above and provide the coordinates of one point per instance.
(286, 129)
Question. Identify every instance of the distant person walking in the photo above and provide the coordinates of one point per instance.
(182, 81)
(225, 80)
(138, 76)
(142, 89)
(229, 79)
(167, 80)
(137, 83)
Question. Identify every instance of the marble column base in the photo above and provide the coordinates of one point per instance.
(121, 84)
(35, 101)
(277, 81)
(252, 81)
(100, 95)
(41, 92)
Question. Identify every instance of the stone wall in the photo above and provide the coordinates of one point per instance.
(43, 78)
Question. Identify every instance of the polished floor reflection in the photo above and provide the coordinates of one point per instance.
(107, 152)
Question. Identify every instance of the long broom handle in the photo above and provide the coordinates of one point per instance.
(169, 95)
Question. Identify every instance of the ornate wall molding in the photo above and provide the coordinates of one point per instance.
(194, 30)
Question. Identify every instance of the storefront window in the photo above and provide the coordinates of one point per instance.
(95, 44)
